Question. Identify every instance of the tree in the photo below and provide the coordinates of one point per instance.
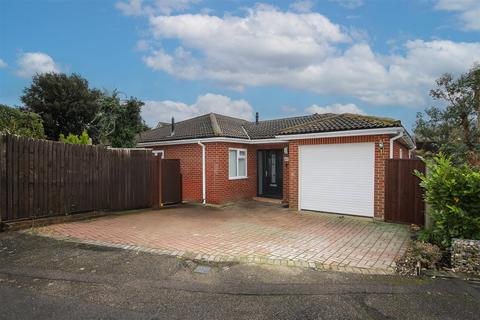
(65, 103)
(454, 129)
(74, 139)
(15, 121)
(119, 122)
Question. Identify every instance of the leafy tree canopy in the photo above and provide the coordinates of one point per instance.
(118, 123)
(455, 128)
(74, 139)
(15, 121)
(64, 102)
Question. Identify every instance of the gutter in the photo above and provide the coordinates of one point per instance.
(204, 185)
(398, 136)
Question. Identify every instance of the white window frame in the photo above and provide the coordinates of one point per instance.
(159, 153)
(237, 177)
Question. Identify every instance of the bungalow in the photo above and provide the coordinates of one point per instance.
(320, 162)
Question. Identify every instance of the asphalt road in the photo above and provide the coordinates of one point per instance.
(41, 278)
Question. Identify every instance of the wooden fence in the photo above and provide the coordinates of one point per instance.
(40, 178)
(403, 194)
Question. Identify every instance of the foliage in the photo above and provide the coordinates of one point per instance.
(453, 192)
(15, 121)
(119, 122)
(74, 139)
(454, 129)
(65, 103)
(426, 254)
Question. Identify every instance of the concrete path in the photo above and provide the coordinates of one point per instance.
(248, 232)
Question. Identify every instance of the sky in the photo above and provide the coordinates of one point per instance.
(279, 58)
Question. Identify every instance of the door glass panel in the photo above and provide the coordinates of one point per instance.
(273, 179)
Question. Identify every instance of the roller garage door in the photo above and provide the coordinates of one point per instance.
(337, 178)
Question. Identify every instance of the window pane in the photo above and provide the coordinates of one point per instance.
(242, 168)
(241, 153)
(232, 163)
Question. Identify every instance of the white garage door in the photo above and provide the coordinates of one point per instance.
(337, 178)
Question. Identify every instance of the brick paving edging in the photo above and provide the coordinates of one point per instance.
(223, 258)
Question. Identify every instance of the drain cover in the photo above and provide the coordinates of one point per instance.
(202, 269)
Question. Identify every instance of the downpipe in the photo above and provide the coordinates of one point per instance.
(391, 143)
(204, 185)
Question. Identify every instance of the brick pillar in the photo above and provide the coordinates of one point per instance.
(293, 175)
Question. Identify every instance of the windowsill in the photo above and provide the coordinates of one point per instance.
(237, 178)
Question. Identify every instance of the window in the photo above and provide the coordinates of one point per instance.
(401, 153)
(159, 153)
(237, 163)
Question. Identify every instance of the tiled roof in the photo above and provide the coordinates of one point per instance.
(341, 122)
(216, 125)
(198, 127)
(270, 128)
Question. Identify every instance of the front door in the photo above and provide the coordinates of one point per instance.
(270, 173)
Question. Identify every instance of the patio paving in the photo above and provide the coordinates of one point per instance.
(247, 232)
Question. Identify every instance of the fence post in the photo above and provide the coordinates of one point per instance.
(3, 177)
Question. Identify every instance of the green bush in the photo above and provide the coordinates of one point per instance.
(453, 193)
(16, 121)
(74, 139)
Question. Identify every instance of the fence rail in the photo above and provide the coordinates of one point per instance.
(40, 178)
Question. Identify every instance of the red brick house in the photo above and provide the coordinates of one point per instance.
(321, 162)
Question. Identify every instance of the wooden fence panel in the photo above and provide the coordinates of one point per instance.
(403, 194)
(3, 178)
(41, 178)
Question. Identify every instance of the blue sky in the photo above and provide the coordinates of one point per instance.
(282, 58)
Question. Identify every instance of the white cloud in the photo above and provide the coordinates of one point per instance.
(302, 5)
(31, 63)
(288, 109)
(155, 111)
(150, 7)
(305, 51)
(335, 108)
(468, 11)
(349, 4)
(3, 64)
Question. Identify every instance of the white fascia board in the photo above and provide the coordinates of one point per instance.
(346, 133)
(210, 140)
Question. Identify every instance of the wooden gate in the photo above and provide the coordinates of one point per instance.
(403, 194)
(168, 186)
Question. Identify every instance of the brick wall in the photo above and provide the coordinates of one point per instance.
(380, 157)
(397, 146)
(218, 186)
(190, 156)
(222, 190)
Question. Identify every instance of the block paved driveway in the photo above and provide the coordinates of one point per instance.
(248, 232)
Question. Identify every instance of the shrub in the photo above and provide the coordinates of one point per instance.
(74, 139)
(16, 121)
(453, 192)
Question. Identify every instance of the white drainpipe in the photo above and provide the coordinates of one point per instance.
(410, 152)
(391, 143)
(204, 186)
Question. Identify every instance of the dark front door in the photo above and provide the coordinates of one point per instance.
(270, 173)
